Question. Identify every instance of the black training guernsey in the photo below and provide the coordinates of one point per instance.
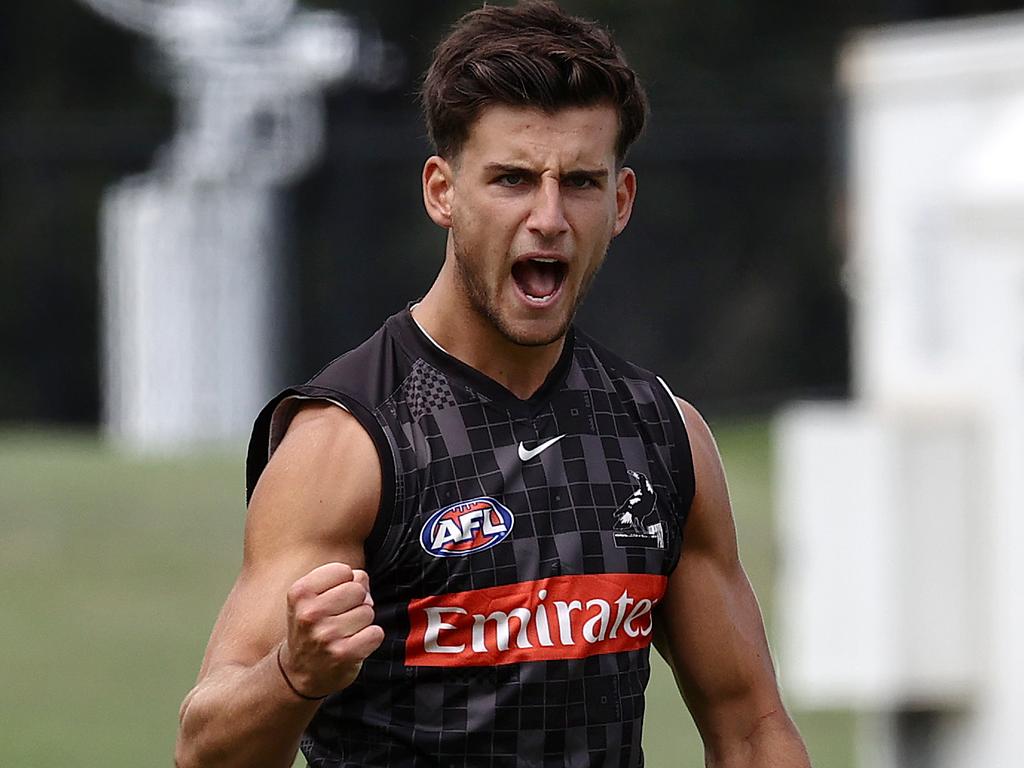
(517, 560)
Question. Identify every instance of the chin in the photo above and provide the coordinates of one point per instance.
(536, 341)
(530, 335)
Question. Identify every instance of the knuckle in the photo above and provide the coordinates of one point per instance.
(321, 634)
(342, 571)
(296, 593)
(374, 638)
(377, 640)
(355, 593)
(306, 616)
(343, 597)
(369, 640)
(364, 615)
(344, 651)
(357, 619)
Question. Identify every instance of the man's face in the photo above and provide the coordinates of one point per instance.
(534, 201)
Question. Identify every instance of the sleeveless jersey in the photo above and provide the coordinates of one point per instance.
(518, 558)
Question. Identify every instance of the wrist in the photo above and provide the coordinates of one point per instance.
(288, 679)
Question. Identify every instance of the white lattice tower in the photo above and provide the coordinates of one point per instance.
(190, 273)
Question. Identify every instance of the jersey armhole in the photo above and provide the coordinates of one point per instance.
(273, 422)
(685, 476)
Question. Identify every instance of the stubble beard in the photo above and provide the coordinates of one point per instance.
(485, 306)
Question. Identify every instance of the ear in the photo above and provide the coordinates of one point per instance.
(625, 194)
(438, 188)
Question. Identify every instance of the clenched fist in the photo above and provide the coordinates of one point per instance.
(330, 630)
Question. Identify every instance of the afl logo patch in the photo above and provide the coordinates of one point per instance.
(467, 527)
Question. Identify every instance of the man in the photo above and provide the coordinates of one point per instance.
(464, 535)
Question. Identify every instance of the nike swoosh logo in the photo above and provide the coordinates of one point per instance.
(526, 455)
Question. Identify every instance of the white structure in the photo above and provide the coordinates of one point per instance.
(903, 511)
(191, 305)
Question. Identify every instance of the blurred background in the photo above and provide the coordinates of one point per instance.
(121, 504)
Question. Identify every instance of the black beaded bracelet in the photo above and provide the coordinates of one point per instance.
(295, 690)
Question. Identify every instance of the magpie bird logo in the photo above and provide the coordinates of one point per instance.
(636, 523)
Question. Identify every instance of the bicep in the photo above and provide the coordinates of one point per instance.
(709, 620)
(315, 502)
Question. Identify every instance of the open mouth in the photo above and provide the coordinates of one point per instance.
(539, 277)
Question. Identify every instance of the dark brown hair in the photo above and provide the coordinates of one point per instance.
(532, 54)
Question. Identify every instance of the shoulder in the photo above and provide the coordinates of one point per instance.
(357, 383)
(703, 447)
(322, 483)
(710, 522)
(369, 373)
(321, 432)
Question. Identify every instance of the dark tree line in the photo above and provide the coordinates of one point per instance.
(726, 282)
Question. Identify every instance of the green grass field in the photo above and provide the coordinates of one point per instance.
(113, 570)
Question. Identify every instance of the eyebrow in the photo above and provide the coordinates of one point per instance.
(513, 168)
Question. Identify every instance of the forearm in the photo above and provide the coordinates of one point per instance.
(774, 742)
(242, 716)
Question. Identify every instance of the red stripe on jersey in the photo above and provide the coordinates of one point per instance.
(564, 617)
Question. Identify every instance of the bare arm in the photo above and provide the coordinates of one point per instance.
(711, 632)
(300, 592)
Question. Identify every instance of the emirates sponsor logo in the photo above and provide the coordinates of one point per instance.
(564, 617)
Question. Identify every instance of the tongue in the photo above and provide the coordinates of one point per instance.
(536, 279)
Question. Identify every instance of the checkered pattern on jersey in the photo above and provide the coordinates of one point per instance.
(453, 444)
(426, 391)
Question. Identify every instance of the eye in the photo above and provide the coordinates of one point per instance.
(511, 179)
(581, 182)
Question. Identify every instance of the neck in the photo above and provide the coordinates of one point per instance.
(448, 317)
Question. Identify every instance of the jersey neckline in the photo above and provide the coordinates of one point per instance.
(422, 346)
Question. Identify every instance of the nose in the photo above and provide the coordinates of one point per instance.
(547, 217)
